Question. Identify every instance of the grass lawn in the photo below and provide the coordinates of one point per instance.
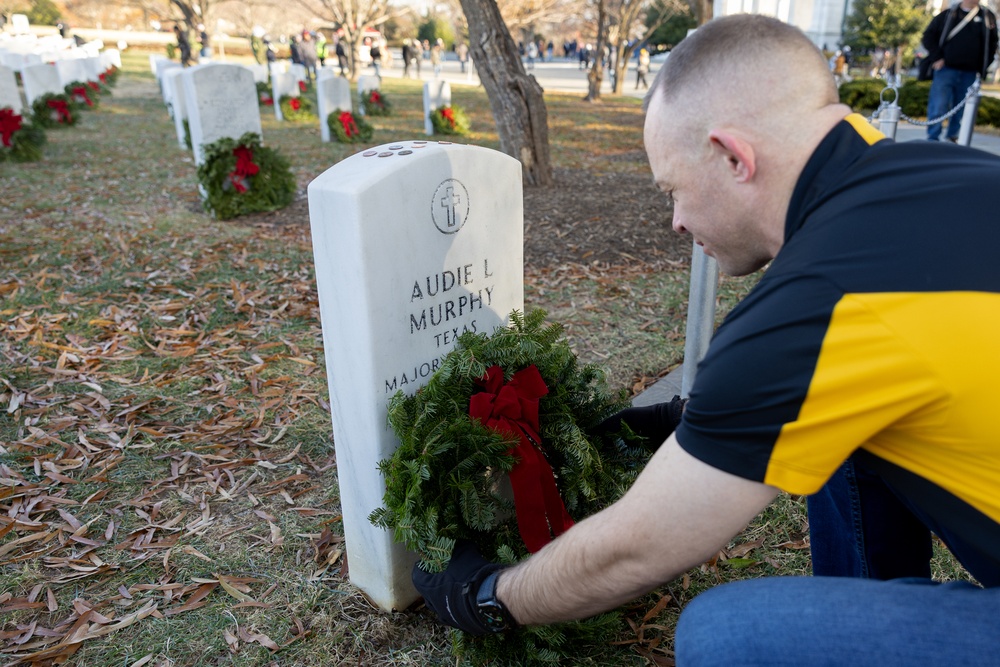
(168, 485)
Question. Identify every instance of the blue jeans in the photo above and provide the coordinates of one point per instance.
(948, 88)
(861, 535)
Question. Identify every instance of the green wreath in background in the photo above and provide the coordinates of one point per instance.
(109, 77)
(445, 482)
(296, 109)
(20, 139)
(375, 103)
(450, 119)
(241, 176)
(84, 94)
(53, 110)
(348, 128)
(264, 94)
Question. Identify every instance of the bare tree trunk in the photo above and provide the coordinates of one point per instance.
(702, 10)
(596, 75)
(623, 53)
(515, 97)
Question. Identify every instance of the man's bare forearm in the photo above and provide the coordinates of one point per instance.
(659, 529)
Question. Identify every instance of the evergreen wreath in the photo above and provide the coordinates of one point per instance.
(376, 104)
(444, 482)
(264, 94)
(53, 110)
(450, 119)
(20, 139)
(348, 128)
(296, 109)
(82, 95)
(109, 77)
(241, 176)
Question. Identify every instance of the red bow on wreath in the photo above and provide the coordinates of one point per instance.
(347, 122)
(10, 123)
(93, 85)
(512, 409)
(61, 109)
(245, 168)
(302, 86)
(375, 98)
(103, 76)
(449, 116)
(295, 104)
(81, 92)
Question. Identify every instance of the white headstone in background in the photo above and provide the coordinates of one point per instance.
(92, 67)
(173, 84)
(414, 244)
(366, 84)
(19, 24)
(111, 57)
(332, 93)
(260, 74)
(282, 83)
(221, 102)
(277, 67)
(71, 70)
(299, 72)
(325, 71)
(39, 80)
(437, 93)
(10, 96)
(155, 61)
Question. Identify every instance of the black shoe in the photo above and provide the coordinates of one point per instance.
(953, 140)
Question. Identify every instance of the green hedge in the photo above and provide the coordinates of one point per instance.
(862, 95)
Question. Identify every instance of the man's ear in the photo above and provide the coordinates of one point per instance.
(737, 153)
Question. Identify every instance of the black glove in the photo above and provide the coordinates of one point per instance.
(452, 594)
(654, 422)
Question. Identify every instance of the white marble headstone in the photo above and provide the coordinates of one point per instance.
(173, 87)
(325, 71)
(71, 70)
(161, 71)
(332, 93)
(92, 67)
(414, 244)
(221, 102)
(366, 83)
(299, 72)
(111, 57)
(155, 61)
(437, 93)
(10, 96)
(260, 73)
(282, 83)
(39, 80)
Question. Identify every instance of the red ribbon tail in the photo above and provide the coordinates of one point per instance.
(541, 515)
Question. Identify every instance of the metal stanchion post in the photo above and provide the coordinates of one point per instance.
(701, 314)
(969, 115)
(888, 114)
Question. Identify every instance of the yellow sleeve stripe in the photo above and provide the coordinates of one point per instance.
(864, 128)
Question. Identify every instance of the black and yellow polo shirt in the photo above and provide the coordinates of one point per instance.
(876, 329)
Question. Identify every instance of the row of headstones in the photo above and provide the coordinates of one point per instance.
(23, 50)
(45, 78)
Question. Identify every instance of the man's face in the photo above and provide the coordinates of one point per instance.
(708, 202)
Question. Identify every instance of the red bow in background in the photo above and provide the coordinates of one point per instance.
(295, 104)
(81, 91)
(449, 115)
(512, 409)
(347, 122)
(375, 98)
(61, 109)
(302, 86)
(245, 168)
(10, 123)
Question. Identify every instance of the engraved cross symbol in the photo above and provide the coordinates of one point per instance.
(449, 201)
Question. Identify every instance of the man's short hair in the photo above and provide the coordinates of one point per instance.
(730, 46)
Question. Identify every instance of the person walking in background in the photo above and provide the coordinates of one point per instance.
(206, 49)
(183, 45)
(376, 53)
(307, 51)
(462, 51)
(341, 56)
(961, 43)
(436, 54)
(295, 53)
(321, 48)
(642, 69)
(531, 53)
